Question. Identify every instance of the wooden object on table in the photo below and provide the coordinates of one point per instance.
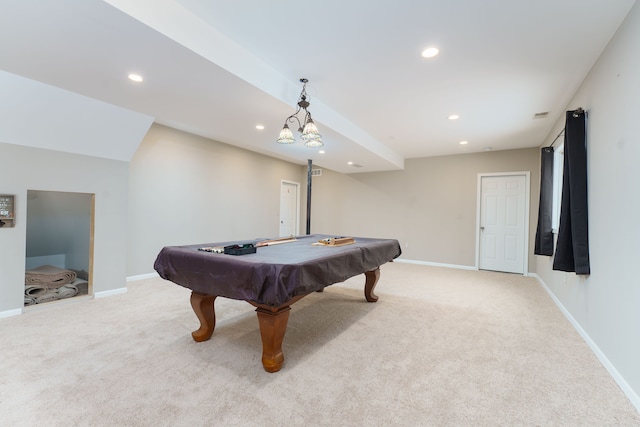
(337, 241)
(275, 241)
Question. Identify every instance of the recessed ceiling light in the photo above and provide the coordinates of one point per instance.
(453, 117)
(349, 163)
(135, 77)
(430, 52)
(260, 127)
(321, 152)
(464, 142)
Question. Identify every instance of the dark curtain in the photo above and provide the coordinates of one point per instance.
(572, 246)
(544, 233)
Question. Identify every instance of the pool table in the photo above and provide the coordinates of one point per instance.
(271, 279)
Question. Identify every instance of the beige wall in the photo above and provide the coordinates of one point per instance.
(184, 189)
(26, 168)
(430, 206)
(606, 304)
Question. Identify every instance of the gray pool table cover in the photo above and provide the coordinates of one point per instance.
(274, 274)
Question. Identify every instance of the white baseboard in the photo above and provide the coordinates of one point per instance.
(103, 294)
(142, 277)
(619, 379)
(109, 293)
(9, 313)
(435, 264)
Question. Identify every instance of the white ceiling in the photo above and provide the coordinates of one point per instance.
(217, 68)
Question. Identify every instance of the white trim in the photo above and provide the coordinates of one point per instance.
(435, 264)
(109, 293)
(619, 379)
(75, 299)
(57, 303)
(9, 313)
(527, 186)
(142, 277)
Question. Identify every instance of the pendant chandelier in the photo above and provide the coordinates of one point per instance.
(306, 127)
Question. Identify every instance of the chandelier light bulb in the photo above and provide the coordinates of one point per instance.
(286, 136)
(311, 136)
(314, 143)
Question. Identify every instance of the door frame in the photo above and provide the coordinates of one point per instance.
(297, 184)
(527, 186)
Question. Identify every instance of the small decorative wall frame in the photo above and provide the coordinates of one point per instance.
(7, 210)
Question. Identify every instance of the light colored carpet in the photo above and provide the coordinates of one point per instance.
(442, 347)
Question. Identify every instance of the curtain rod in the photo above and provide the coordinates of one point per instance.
(576, 113)
(554, 141)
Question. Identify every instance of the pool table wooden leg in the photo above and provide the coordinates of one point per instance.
(372, 279)
(202, 305)
(273, 325)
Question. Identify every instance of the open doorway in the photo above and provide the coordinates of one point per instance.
(59, 246)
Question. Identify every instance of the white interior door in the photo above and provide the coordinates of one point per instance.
(503, 223)
(289, 208)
